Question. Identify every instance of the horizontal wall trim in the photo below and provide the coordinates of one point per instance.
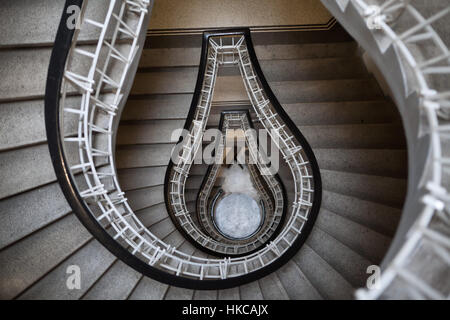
(283, 28)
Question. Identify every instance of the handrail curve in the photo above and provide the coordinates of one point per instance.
(411, 59)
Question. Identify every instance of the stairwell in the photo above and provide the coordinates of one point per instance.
(324, 87)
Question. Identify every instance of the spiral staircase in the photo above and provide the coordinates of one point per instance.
(380, 199)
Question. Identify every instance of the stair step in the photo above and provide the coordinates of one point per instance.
(115, 284)
(149, 289)
(165, 81)
(386, 163)
(194, 182)
(157, 107)
(136, 178)
(152, 215)
(143, 198)
(176, 293)
(163, 228)
(231, 88)
(24, 73)
(306, 50)
(363, 240)
(229, 294)
(305, 69)
(378, 189)
(26, 213)
(383, 190)
(25, 30)
(181, 80)
(349, 264)
(23, 124)
(174, 57)
(138, 156)
(369, 136)
(191, 195)
(251, 291)
(349, 112)
(22, 266)
(19, 170)
(327, 281)
(326, 90)
(380, 218)
(176, 106)
(272, 288)
(296, 284)
(373, 136)
(314, 69)
(30, 167)
(205, 295)
(175, 239)
(54, 285)
(149, 132)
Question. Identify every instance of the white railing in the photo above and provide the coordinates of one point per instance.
(233, 50)
(421, 264)
(99, 89)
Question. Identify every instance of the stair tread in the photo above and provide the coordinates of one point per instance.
(327, 281)
(176, 293)
(229, 294)
(153, 214)
(28, 212)
(116, 284)
(157, 107)
(378, 162)
(150, 132)
(25, 30)
(363, 240)
(382, 190)
(21, 266)
(149, 289)
(143, 198)
(164, 107)
(205, 295)
(143, 156)
(136, 178)
(296, 284)
(22, 123)
(170, 57)
(163, 228)
(272, 288)
(378, 217)
(348, 263)
(314, 69)
(251, 291)
(369, 136)
(54, 285)
(18, 170)
(182, 80)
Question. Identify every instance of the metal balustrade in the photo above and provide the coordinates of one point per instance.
(85, 162)
(97, 76)
(231, 50)
(425, 59)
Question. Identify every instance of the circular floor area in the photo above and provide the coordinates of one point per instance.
(238, 216)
